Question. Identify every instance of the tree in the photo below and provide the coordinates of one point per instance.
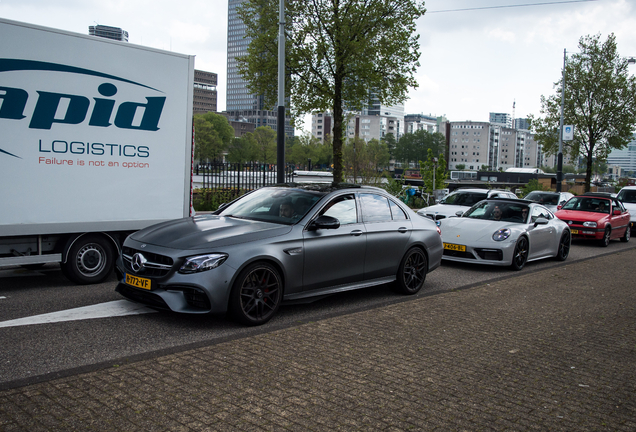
(431, 166)
(265, 138)
(413, 147)
(364, 159)
(243, 149)
(302, 149)
(337, 53)
(212, 135)
(600, 101)
(532, 185)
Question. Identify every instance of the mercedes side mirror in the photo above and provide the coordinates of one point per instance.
(324, 222)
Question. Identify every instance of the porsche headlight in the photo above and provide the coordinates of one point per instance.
(501, 234)
(199, 263)
(589, 224)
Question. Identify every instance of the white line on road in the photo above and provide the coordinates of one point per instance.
(102, 310)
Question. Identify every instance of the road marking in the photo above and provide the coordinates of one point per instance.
(101, 310)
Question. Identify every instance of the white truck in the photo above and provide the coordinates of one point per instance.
(95, 143)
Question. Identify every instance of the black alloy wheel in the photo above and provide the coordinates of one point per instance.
(412, 271)
(627, 235)
(520, 255)
(605, 241)
(564, 246)
(256, 295)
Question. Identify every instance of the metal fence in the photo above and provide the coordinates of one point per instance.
(245, 176)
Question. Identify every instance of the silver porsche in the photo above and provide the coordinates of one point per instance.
(278, 244)
(505, 232)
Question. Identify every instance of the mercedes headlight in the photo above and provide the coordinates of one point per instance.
(199, 263)
(589, 224)
(501, 234)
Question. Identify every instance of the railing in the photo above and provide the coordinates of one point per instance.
(249, 176)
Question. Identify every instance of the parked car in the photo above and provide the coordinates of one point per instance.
(596, 216)
(275, 244)
(551, 200)
(460, 201)
(627, 196)
(505, 232)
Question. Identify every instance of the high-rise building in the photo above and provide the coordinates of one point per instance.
(204, 95)
(502, 119)
(108, 32)
(522, 124)
(416, 122)
(624, 158)
(241, 105)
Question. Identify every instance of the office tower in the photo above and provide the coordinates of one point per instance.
(108, 32)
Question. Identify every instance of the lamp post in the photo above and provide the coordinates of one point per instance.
(559, 178)
(280, 121)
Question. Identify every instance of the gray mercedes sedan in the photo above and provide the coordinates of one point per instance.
(279, 244)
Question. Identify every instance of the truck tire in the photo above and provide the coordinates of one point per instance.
(89, 260)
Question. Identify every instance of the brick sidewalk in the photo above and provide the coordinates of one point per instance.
(550, 350)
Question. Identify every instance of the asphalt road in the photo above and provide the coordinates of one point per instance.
(38, 352)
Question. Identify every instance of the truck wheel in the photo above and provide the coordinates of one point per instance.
(89, 260)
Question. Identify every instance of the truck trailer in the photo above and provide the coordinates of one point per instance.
(95, 143)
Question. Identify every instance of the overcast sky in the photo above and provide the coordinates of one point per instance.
(473, 61)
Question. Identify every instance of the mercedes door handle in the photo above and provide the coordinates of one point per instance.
(356, 233)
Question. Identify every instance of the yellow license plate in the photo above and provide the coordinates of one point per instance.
(455, 247)
(138, 282)
(574, 231)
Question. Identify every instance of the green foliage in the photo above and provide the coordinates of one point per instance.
(336, 51)
(532, 185)
(243, 149)
(210, 200)
(265, 138)
(429, 167)
(460, 166)
(413, 147)
(599, 101)
(392, 185)
(301, 149)
(365, 160)
(212, 135)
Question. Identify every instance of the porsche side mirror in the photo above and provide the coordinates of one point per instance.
(540, 221)
(324, 222)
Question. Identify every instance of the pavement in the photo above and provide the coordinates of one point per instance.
(548, 350)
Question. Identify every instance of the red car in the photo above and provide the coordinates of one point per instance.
(596, 216)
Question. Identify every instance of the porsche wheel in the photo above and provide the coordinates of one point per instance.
(564, 246)
(520, 255)
(257, 294)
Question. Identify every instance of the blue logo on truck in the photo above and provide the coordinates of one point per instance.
(13, 101)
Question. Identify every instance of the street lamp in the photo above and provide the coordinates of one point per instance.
(280, 125)
(559, 178)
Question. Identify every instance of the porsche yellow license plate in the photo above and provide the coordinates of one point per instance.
(574, 231)
(455, 247)
(138, 282)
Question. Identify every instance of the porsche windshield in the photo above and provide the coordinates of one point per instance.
(499, 211)
(278, 205)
